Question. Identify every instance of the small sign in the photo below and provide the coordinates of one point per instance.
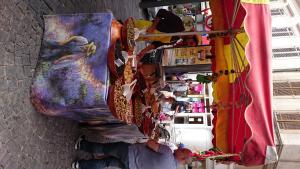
(187, 56)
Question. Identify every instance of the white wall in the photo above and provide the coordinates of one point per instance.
(290, 154)
(288, 165)
(286, 103)
(286, 63)
(286, 76)
(282, 42)
(195, 138)
(290, 138)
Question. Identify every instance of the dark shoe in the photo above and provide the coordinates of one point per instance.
(75, 165)
(78, 142)
(146, 14)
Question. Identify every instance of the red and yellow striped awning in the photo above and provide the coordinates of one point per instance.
(243, 88)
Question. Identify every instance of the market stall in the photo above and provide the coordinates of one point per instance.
(88, 72)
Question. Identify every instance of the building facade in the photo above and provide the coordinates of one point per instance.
(286, 81)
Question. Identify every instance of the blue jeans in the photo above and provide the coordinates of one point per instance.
(117, 155)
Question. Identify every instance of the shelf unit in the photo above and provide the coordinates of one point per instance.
(203, 119)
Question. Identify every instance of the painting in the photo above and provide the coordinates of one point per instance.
(71, 78)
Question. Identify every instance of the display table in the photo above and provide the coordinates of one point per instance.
(71, 78)
(76, 76)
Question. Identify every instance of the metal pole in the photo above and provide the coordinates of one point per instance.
(191, 33)
(156, 3)
(288, 121)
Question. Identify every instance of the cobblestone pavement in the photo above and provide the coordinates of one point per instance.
(29, 140)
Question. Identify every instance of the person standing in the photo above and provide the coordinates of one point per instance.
(164, 22)
(150, 155)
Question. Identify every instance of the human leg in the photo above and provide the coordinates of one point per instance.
(118, 150)
(101, 163)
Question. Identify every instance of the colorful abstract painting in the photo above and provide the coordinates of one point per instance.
(71, 78)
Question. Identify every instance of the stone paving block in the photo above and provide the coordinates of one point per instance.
(3, 85)
(4, 36)
(2, 6)
(18, 60)
(9, 58)
(28, 71)
(20, 72)
(11, 71)
(9, 47)
(34, 50)
(12, 85)
(25, 59)
(3, 150)
(20, 51)
(2, 73)
(12, 35)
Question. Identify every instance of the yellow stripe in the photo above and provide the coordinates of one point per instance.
(236, 60)
(256, 1)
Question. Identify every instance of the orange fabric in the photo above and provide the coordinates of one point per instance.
(221, 87)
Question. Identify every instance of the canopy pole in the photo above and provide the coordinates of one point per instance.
(156, 3)
(192, 33)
